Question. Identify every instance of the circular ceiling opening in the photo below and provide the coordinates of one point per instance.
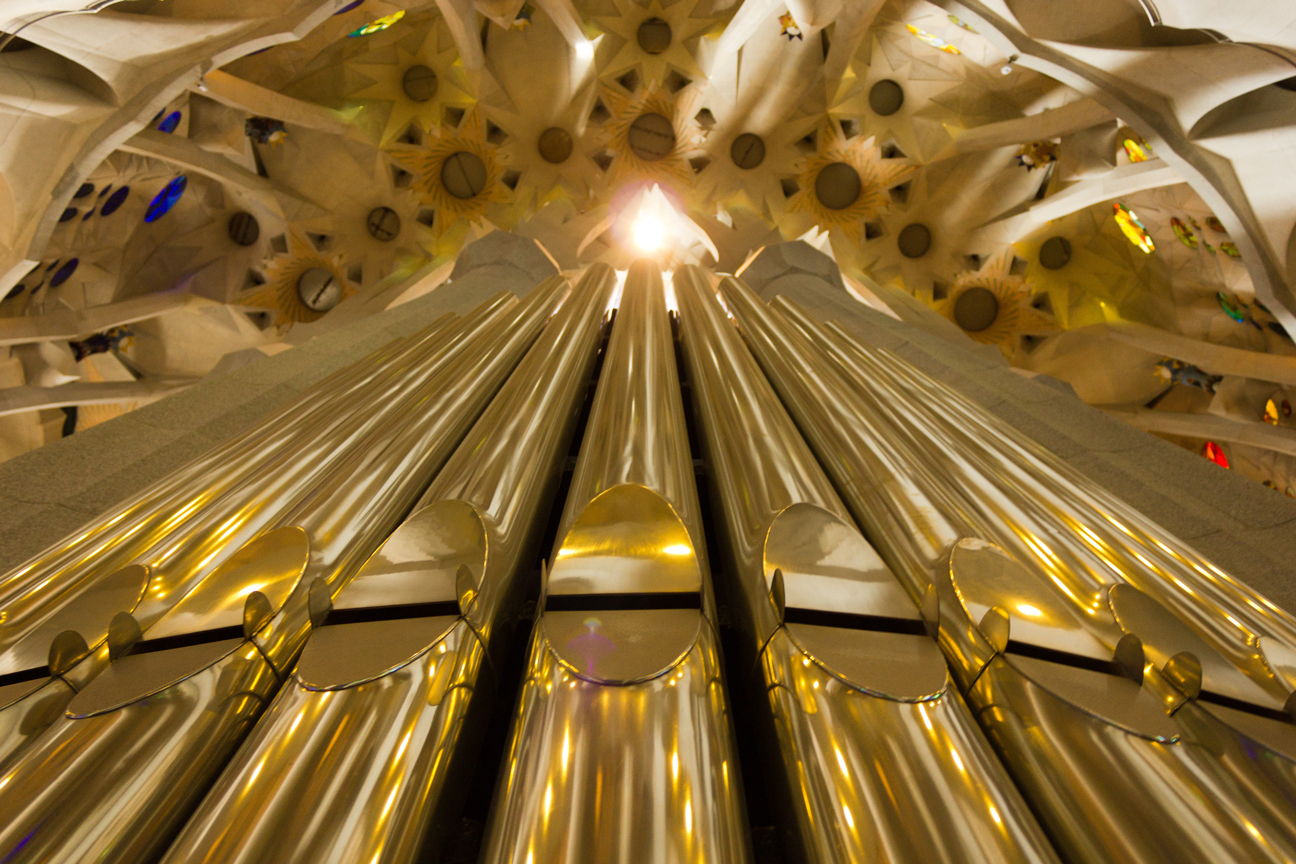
(837, 186)
(886, 97)
(975, 309)
(651, 137)
(654, 36)
(419, 83)
(463, 174)
(914, 241)
(747, 151)
(244, 229)
(318, 289)
(555, 145)
(1055, 253)
(383, 223)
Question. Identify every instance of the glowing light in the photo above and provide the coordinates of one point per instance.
(850, 820)
(649, 233)
(677, 549)
(585, 50)
(1027, 609)
(994, 814)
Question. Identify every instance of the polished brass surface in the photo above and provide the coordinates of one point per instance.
(362, 756)
(1103, 792)
(1076, 534)
(621, 749)
(850, 710)
(88, 613)
(181, 736)
(132, 527)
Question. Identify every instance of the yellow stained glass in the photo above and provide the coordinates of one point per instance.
(933, 40)
(1132, 228)
(378, 24)
(1137, 151)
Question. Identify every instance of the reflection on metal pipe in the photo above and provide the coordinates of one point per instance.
(858, 692)
(116, 778)
(1065, 703)
(362, 756)
(1062, 524)
(622, 750)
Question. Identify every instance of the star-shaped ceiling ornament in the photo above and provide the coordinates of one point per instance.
(457, 174)
(745, 166)
(651, 135)
(890, 96)
(376, 228)
(419, 75)
(845, 183)
(281, 293)
(658, 39)
(992, 306)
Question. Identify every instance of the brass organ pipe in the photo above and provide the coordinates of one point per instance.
(621, 748)
(1117, 544)
(385, 790)
(126, 532)
(316, 399)
(1105, 790)
(940, 811)
(113, 781)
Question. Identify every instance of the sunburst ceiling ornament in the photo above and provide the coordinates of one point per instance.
(845, 182)
(458, 174)
(421, 81)
(281, 293)
(656, 38)
(651, 134)
(745, 167)
(993, 306)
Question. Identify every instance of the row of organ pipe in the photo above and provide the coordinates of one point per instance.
(952, 646)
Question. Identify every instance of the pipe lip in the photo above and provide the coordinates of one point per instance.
(136, 677)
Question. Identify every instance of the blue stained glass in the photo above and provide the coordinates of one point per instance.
(170, 123)
(104, 191)
(86, 189)
(166, 199)
(89, 213)
(115, 200)
(68, 214)
(64, 273)
(349, 7)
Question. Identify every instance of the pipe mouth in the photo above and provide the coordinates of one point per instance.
(409, 595)
(623, 602)
(89, 614)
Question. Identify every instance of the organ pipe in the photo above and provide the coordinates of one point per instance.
(621, 748)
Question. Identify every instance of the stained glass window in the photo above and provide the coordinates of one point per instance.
(1230, 249)
(1232, 308)
(1184, 233)
(64, 273)
(1271, 413)
(68, 214)
(170, 122)
(1137, 150)
(378, 25)
(166, 199)
(115, 201)
(933, 40)
(1215, 453)
(1132, 228)
(954, 19)
(1215, 225)
(349, 7)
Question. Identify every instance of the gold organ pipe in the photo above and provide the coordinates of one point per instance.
(1108, 773)
(851, 709)
(184, 550)
(407, 642)
(116, 777)
(621, 750)
(1117, 543)
(129, 530)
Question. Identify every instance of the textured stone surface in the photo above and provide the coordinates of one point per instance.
(50, 492)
